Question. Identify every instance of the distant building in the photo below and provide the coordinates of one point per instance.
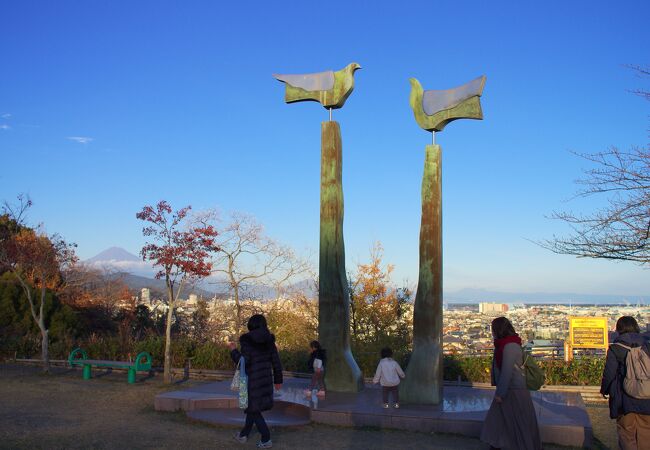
(145, 296)
(191, 301)
(491, 308)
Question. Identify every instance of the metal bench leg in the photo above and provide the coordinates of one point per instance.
(87, 372)
(131, 376)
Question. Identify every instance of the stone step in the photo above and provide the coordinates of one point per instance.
(282, 415)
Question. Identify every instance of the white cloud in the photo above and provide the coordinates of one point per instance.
(5, 116)
(81, 139)
(4, 126)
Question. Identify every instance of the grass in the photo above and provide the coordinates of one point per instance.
(61, 410)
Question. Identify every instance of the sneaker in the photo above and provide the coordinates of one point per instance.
(267, 444)
(321, 393)
(396, 405)
(240, 439)
(385, 405)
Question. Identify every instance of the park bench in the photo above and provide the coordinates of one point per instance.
(78, 357)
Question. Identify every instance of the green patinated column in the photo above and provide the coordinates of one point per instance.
(423, 382)
(342, 373)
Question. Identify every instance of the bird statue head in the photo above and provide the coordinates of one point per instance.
(353, 67)
(416, 87)
(415, 83)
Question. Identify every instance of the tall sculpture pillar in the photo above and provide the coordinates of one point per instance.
(423, 383)
(433, 110)
(343, 373)
(331, 89)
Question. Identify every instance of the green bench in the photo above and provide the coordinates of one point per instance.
(78, 357)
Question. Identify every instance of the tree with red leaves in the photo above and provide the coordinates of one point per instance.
(181, 251)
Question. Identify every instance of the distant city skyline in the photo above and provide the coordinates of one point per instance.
(116, 258)
(108, 107)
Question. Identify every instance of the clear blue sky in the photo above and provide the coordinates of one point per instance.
(178, 101)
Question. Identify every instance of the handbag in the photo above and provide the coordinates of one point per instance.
(234, 384)
(534, 374)
(243, 385)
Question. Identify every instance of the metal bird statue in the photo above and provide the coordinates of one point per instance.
(330, 89)
(435, 109)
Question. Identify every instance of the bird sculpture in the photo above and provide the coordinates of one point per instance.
(330, 89)
(435, 109)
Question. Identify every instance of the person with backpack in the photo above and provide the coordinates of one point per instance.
(629, 397)
(511, 421)
(264, 370)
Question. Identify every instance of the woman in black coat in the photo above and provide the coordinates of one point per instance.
(632, 414)
(263, 367)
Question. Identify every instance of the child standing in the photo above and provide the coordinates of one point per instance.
(317, 360)
(388, 375)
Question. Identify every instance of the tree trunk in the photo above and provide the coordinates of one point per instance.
(238, 308)
(167, 365)
(44, 333)
(45, 347)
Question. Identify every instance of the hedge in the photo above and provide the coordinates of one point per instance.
(211, 356)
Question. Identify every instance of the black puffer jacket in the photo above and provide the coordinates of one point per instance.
(612, 383)
(263, 367)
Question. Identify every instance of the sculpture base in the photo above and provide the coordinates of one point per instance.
(342, 373)
(423, 382)
(562, 417)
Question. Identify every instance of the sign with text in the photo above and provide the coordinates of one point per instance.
(588, 332)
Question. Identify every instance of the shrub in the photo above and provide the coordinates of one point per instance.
(586, 371)
(155, 346)
(476, 369)
(212, 356)
(294, 360)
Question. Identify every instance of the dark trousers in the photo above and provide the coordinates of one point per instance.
(257, 419)
(385, 390)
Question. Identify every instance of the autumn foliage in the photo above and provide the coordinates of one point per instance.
(37, 262)
(180, 254)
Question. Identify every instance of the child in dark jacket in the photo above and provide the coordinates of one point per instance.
(316, 367)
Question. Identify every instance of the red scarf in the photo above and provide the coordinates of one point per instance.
(499, 344)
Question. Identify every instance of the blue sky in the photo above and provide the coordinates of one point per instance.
(178, 101)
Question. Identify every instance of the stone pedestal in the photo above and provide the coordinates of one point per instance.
(423, 383)
(342, 373)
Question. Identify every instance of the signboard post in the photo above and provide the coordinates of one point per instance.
(586, 332)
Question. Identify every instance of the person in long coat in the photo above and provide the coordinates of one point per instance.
(632, 414)
(263, 367)
(511, 422)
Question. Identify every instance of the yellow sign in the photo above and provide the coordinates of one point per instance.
(588, 332)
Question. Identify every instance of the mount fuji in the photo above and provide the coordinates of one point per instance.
(116, 258)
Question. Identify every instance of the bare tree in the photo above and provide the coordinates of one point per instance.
(249, 257)
(621, 229)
